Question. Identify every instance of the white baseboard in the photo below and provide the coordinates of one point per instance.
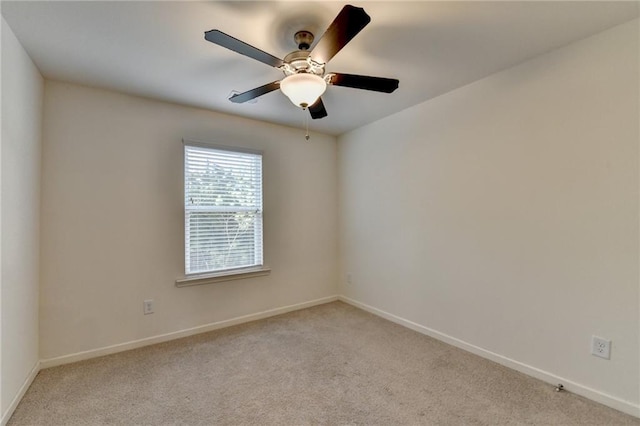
(23, 389)
(94, 353)
(608, 400)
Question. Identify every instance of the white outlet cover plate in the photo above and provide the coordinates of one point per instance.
(600, 347)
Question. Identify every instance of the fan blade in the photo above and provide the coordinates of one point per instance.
(254, 93)
(317, 110)
(225, 40)
(349, 22)
(377, 84)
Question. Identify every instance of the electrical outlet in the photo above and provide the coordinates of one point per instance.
(348, 278)
(148, 306)
(600, 347)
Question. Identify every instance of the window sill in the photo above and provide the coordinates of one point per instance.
(217, 277)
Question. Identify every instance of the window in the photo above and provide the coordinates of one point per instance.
(222, 209)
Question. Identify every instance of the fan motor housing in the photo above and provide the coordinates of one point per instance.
(299, 61)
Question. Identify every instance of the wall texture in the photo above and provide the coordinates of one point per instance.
(22, 94)
(112, 228)
(505, 213)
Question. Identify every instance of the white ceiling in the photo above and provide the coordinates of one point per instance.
(156, 49)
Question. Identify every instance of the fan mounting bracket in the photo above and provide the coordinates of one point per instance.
(303, 39)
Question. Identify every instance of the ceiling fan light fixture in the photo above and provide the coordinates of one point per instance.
(303, 89)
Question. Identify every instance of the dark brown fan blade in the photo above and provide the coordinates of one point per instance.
(225, 40)
(378, 84)
(317, 110)
(254, 93)
(349, 22)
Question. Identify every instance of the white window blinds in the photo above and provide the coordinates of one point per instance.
(222, 209)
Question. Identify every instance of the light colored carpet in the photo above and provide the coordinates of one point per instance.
(331, 365)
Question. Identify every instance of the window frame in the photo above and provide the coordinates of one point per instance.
(206, 277)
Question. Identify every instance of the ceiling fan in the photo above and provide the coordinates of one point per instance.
(305, 76)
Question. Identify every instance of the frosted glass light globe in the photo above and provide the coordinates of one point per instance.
(303, 89)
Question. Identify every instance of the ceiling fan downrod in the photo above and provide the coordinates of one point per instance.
(303, 39)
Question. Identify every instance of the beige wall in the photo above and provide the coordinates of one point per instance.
(112, 228)
(505, 214)
(22, 93)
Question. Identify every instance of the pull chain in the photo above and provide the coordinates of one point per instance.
(306, 123)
